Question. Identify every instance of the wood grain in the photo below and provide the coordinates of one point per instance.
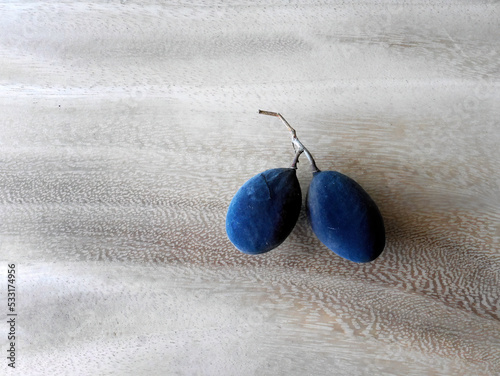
(127, 127)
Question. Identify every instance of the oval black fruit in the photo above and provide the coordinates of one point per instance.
(264, 211)
(344, 217)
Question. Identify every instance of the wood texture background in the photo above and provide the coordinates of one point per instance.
(127, 127)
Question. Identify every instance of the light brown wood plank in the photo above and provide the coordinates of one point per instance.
(127, 127)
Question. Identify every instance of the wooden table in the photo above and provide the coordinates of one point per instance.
(127, 127)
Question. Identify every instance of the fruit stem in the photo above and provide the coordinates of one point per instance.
(296, 159)
(295, 141)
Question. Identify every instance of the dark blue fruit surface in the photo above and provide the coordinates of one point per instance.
(264, 211)
(344, 217)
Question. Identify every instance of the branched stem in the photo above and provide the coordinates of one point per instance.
(295, 141)
(296, 159)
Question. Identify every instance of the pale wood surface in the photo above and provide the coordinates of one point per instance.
(127, 127)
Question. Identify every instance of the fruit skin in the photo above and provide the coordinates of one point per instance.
(344, 217)
(264, 211)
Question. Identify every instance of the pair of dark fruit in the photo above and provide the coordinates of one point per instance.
(343, 216)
